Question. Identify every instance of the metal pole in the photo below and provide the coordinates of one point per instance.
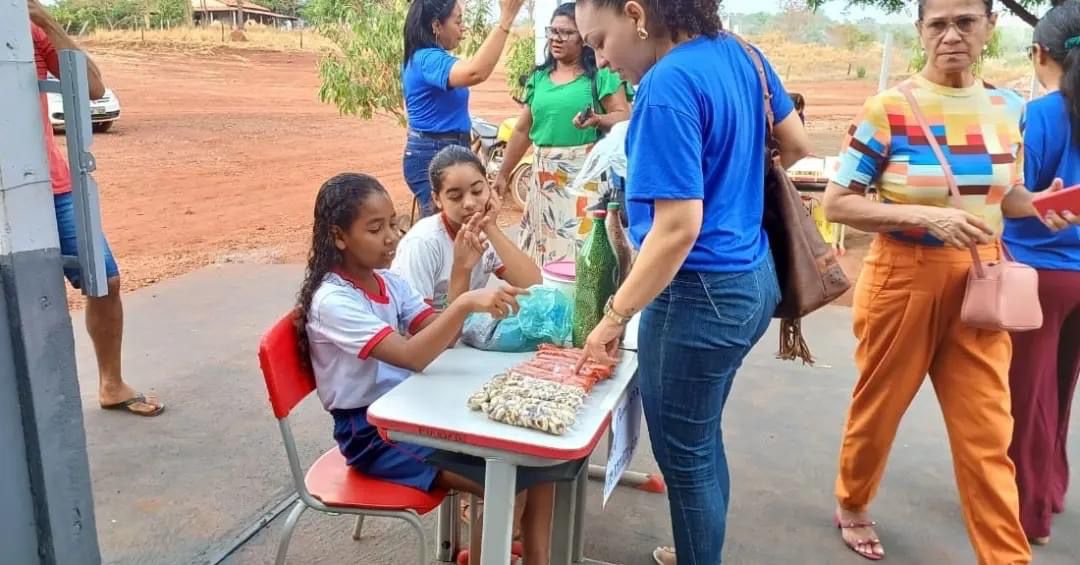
(48, 515)
(886, 61)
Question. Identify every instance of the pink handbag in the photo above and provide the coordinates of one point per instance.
(1001, 295)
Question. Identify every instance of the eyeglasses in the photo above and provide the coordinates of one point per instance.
(964, 24)
(560, 34)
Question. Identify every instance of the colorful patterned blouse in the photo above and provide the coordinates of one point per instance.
(978, 129)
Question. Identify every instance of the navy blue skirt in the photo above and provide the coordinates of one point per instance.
(417, 466)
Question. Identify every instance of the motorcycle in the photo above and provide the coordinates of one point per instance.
(489, 142)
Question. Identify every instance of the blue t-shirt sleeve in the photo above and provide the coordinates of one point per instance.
(1033, 128)
(665, 153)
(782, 105)
(434, 65)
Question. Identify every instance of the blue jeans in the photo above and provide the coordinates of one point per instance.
(692, 339)
(420, 149)
(69, 245)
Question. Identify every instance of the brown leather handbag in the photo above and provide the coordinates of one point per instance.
(809, 274)
(1001, 295)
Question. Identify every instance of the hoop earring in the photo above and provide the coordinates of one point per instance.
(642, 33)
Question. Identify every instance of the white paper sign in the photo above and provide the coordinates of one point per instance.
(625, 432)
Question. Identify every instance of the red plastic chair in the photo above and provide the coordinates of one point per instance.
(329, 485)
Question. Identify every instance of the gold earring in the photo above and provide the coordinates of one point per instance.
(642, 33)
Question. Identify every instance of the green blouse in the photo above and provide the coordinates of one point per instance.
(554, 106)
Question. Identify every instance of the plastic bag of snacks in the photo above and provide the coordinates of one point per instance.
(544, 317)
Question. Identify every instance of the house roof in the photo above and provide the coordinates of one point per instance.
(231, 5)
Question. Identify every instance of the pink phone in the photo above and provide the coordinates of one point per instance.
(1066, 200)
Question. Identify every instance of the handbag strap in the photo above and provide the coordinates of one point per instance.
(946, 169)
(772, 155)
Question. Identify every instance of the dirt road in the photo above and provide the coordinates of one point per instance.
(219, 153)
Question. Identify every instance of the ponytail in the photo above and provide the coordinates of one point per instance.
(1058, 34)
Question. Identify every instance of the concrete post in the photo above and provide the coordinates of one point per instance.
(48, 514)
(886, 62)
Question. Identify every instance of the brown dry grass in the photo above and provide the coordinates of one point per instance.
(206, 38)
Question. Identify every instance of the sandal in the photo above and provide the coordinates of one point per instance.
(664, 555)
(132, 405)
(854, 546)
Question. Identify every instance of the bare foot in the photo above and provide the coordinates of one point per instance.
(858, 533)
(1040, 540)
(664, 555)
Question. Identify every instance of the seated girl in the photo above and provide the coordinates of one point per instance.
(366, 330)
(450, 254)
(443, 256)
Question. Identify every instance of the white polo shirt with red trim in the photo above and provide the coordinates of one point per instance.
(425, 258)
(345, 323)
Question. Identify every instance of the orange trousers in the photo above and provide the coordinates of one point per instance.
(907, 322)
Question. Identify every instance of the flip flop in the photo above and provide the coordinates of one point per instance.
(661, 551)
(853, 546)
(139, 398)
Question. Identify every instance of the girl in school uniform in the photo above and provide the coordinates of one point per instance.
(366, 330)
(447, 255)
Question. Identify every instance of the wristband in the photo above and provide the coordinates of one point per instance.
(613, 315)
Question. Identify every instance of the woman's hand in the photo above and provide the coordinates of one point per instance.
(499, 302)
(602, 344)
(470, 244)
(956, 227)
(1056, 221)
(582, 122)
(501, 184)
(508, 11)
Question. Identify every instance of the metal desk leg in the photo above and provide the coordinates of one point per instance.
(447, 530)
(499, 486)
(562, 530)
(582, 487)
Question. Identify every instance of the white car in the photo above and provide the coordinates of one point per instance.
(103, 112)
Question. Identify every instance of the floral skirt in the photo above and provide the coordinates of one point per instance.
(556, 222)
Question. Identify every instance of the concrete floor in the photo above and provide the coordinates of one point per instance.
(181, 488)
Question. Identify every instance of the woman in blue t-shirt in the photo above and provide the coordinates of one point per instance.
(1046, 361)
(436, 83)
(704, 279)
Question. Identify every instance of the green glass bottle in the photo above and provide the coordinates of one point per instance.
(597, 279)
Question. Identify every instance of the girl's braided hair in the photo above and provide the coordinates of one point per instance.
(692, 17)
(337, 204)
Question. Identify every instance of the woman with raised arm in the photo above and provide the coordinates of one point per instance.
(436, 82)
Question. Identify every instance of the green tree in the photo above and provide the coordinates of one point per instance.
(519, 64)
(362, 75)
(283, 7)
(1024, 9)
